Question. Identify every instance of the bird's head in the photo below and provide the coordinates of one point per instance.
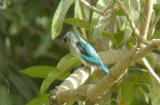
(69, 36)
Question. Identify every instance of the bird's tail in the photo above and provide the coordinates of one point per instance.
(106, 69)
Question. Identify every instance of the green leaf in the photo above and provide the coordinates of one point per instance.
(41, 100)
(38, 71)
(154, 93)
(48, 80)
(118, 38)
(64, 75)
(122, 23)
(119, 12)
(109, 36)
(135, 86)
(131, 44)
(66, 64)
(132, 95)
(5, 98)
(99, 22)
(77, 22)
(59, 16)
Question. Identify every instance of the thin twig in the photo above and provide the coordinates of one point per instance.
(144, 28)
(106, 11)
(133, 26)
(145, 21)
(102, 12)
(92, 7)
(151, 71)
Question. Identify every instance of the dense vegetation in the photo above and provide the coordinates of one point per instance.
(33, 61)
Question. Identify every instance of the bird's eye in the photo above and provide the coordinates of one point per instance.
(65, 40)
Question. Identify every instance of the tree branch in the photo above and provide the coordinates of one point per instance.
(144, 28)
(151, 71)
(102, 12)
(76, 79)
(118, 70)
(133, 26)
(92, 92)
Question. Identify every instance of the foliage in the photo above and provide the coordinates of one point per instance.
(26, 48)
(65, 64)
(41, 100)
(25, 41)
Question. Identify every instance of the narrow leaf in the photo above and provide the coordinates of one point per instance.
(41, 100)
(119, 38)
(48, 80)
(59, 16)
(64, 75)
(66, 64)
(99, 22)
(38, 71)
(109, 36)
(77, 22)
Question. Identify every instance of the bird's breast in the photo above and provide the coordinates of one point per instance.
(76, 52)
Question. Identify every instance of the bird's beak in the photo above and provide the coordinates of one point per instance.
(64, 44)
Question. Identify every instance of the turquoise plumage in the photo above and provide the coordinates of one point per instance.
(83, 50)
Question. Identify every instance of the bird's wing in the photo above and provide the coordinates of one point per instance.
(88, 53)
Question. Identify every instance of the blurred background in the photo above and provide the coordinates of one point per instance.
(25, 40)
(26, 45)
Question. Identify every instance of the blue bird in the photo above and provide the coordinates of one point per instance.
(82, 50)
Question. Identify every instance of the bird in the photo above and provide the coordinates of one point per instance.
(83, 51)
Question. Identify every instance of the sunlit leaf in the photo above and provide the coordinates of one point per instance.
(66, 63)
(81, 11)
(109, 36)
(133, 7)
(119, 38)
(40, 100)
(64, 75)
(77, 22)
(38, 71)
(131, 44)
(154, 93)
(99, 22)
(135, 87)
(48, 80)
(59, 16)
